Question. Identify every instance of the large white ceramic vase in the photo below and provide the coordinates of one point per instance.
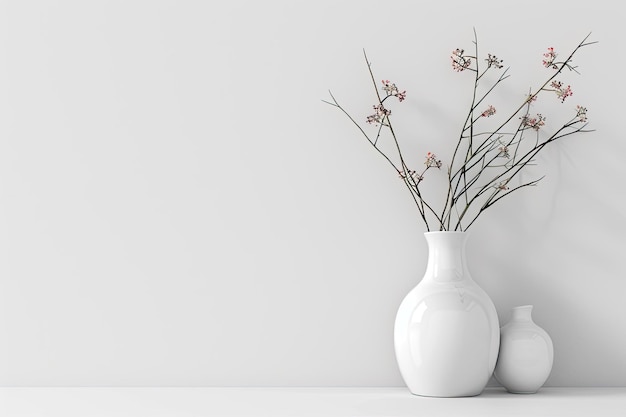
(446, 332)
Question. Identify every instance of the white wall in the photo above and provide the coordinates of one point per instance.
(178, 206)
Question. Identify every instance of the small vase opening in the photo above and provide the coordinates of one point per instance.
(522, 313)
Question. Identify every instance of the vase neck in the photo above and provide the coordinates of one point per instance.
(446, 257)
(522, 313)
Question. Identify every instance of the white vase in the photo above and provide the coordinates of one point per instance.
(526, 353)
(446, 331)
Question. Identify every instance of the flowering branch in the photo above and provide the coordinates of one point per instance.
(472, 187)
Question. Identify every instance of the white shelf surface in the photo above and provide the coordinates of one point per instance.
(305, 402)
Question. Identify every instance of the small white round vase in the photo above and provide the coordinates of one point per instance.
(526, 353)
(446, 330)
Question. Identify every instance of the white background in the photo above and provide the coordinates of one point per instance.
(179, 207)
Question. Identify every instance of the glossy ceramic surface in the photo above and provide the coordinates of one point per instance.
(526, 353)
(446, 329)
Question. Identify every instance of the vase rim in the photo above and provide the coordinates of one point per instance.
(524, 307)
(445, 232)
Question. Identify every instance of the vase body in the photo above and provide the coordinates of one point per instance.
(526, 353)
(446, 333)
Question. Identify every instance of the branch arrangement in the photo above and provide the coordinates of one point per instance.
(483, 163)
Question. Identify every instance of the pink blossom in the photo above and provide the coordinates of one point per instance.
(392, 90)
(493, 61)
(459, 61)
(489, 112)
(533, 122)
(502, 185)
(432, 161)
(380, 113)
(561, 92)
(550, 57)
(581, 113)
(410, 174)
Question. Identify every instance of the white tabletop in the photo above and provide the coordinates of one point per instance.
(294, 402)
